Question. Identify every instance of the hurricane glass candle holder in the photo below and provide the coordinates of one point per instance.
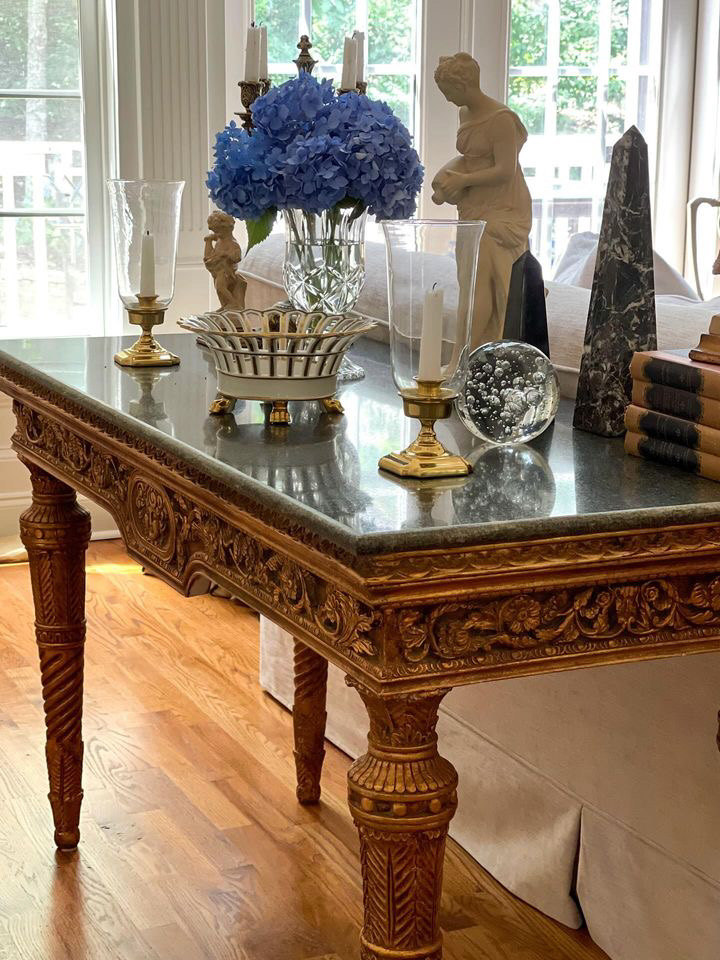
(145, 224)
(432, 265)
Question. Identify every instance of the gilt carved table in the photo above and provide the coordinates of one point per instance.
(561, 555)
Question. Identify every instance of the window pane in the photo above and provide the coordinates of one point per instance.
(332, 21)
(619, 32)
(576, 104)
(396, 91)
(49, 30)
(528, 36)
(390, 31)
(526, 95)
(578, 32)
(281, 17)
(43, 275)
(41, 119)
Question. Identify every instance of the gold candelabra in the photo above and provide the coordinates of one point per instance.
(426, 457)
(250, 90)
(146, 351)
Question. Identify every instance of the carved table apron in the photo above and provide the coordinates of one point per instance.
(405, 627)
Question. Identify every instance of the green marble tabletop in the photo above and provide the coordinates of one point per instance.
(322, 471)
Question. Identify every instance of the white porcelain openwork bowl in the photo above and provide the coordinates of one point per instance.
(276, 354)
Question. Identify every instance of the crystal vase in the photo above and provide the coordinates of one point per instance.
(324, 265)
(324, 259)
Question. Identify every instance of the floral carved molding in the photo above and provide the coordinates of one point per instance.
(179, 536)
(556, 624)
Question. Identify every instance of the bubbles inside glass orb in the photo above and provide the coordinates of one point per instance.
(511, 393)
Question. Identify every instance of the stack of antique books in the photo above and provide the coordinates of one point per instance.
(674, 417)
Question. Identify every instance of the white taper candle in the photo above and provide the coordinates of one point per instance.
(252, 55)
(349, 69)
(147, 266)
(430, 363)
(359, 38)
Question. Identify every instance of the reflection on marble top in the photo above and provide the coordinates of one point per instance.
(323, 472)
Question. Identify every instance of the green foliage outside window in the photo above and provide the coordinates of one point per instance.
(282, 28)
(390, 30)
(528, 39)
(332, 21)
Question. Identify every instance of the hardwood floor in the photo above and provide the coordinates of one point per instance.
(193, 845)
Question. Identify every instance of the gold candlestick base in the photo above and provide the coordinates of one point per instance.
(426, 457)
(146, 351)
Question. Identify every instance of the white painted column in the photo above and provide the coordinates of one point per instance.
(172, 100)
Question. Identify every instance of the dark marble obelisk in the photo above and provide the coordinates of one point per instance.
(526, 316)
(621, 318)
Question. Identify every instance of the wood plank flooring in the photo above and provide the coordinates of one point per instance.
(193, 846)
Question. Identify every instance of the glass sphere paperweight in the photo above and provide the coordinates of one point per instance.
(511, 393)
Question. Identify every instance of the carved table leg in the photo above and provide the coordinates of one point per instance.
(56, 532)
(402, 796)
(309, 716)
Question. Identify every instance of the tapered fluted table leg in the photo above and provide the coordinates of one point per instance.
(56, 532)
(402, 796)
(309, 717)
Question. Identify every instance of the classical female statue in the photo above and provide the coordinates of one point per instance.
(486, 182)
(221, 256)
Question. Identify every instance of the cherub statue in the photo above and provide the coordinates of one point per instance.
(486, 182)
(221, 256)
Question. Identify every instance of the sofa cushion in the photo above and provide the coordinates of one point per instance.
(577, 267)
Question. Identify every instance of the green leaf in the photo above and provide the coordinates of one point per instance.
(260, 229)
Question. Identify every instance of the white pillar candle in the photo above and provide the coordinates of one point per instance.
(263, 71)
(252, 55)
(147, 266)
(359, 38)
(349, 69)
(430, 363)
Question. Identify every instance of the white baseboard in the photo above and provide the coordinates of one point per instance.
(11, 506)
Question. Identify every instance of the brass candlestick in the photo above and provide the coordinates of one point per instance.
(146, 351)
(426, 457)
(250, 90)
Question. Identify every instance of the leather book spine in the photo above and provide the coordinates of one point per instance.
(676, 403)
(661, 426)
(673, 455)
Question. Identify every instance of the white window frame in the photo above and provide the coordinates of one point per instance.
(96, 95)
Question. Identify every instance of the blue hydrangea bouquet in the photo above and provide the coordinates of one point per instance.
(313, 150)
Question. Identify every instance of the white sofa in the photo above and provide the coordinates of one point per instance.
(593, 795)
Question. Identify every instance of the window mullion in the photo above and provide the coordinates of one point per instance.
(17, 94)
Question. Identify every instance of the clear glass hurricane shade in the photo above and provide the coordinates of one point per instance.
(432, 266)
(145, 224)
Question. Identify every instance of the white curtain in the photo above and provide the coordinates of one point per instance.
(705, 153)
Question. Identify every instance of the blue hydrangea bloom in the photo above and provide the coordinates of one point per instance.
(310, 150)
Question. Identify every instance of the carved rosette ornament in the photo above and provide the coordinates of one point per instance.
(309, 718)
(402, 796)
(55, 531)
